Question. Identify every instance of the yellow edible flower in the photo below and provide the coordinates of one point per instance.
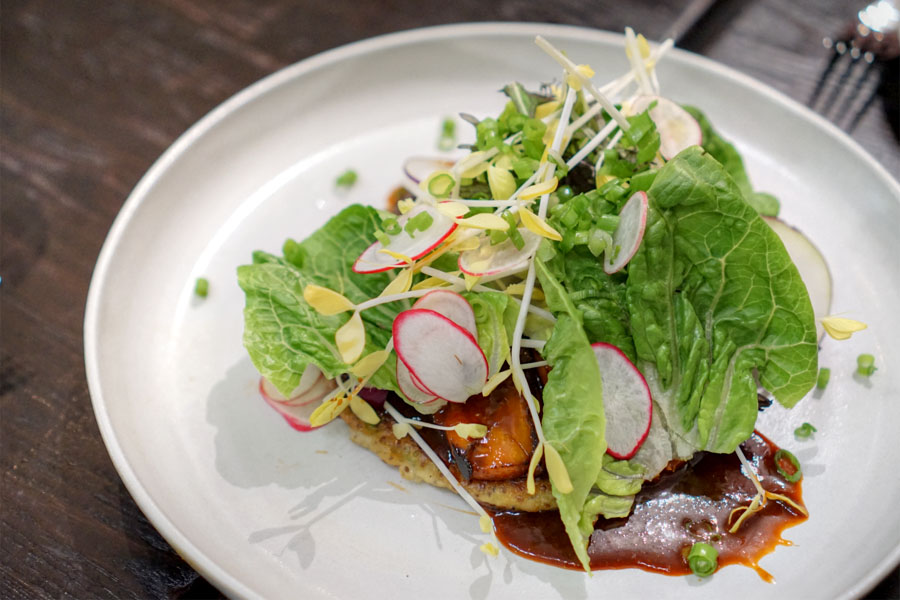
(326, 302)
(351, 339)
(539, 189)
(362, 410)
(840, 328)
(537, 225)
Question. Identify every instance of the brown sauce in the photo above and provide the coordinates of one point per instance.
(690, 504)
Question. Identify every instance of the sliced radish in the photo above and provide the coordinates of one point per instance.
(812, 266)
(410, 388)
(372, 260)
(504, 257)
(626, 401)
(297, 415)
(629, 233)
(443, 356)
(418, 168)
(310, 377)
(677, 128)
(451, 305)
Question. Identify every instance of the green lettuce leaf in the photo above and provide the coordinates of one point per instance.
(490, 310)
(730, 159)
(283, 334)
(573, 419)
(714, 299)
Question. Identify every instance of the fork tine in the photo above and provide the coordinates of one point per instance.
(838, 50)
(858, 86)
(841, 84)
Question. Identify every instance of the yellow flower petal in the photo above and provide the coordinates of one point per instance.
(517, 289)
(399, 284)
(473, 431)
(471, 280)
(643, 46)
(575, 80)
(473, 165)
(539, 189)
(501, 182)
(556, 469)
(484, 221)
(351, 339)
(537, 225)
(363, 411)
(535, 461)
(489, 548)
(485, 524)
(328, 410)
(840, 328)
(542, 110)
(326, 302)
(370, 363)
(431, 282)
(400, 430)
(406, 205)
(494, 381)
(397, 255)
(451, 209)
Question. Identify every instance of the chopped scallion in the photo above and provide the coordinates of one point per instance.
(703, 559)
(822, 379)
(865, 364)
(420, 222)
(391, 226)
(447, 140)
(346, 179)
(441, 185)
(201, 287)
(805, 431)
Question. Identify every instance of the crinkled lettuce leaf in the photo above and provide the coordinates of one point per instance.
(714, 300)
(283, 334)
(573, 419)
(730, 159)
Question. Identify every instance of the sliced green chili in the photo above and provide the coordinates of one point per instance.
(788, 466)
(441, 185)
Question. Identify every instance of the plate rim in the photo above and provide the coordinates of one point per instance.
(186, 549)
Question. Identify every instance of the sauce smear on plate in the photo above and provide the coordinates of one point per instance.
(692, 503)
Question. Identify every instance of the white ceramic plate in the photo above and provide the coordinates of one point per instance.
(265, 512)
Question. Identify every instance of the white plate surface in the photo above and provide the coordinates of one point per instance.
(266, 512)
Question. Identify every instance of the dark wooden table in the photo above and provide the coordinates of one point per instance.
(91, 92)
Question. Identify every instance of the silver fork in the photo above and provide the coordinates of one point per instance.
(849, 83)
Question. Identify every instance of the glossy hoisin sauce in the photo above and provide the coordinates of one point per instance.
(689, 504)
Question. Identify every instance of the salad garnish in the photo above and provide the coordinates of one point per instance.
(600, 251)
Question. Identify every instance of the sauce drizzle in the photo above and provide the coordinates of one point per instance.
(690, 504)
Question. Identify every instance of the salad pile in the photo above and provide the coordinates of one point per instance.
(604, 235)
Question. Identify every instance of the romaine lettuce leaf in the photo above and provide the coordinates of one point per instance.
(283, 334)
(714, 299)
(573, 419)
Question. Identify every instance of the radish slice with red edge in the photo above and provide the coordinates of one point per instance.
(676, 127)
(372, 260)
(418, 168)
(626, 401)
(443, 356)
(629, 233)
(297, 416)
(409, 387)
(451, 305)
(812, 266)
(501, 258)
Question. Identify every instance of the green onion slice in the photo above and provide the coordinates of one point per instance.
(822, 379)
(441, 185)
(347, 178)
(201, 287)
(788, 466)
(703, 559)
(805, 431)
(865, 364)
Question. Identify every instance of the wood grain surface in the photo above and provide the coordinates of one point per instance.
(92, 92)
